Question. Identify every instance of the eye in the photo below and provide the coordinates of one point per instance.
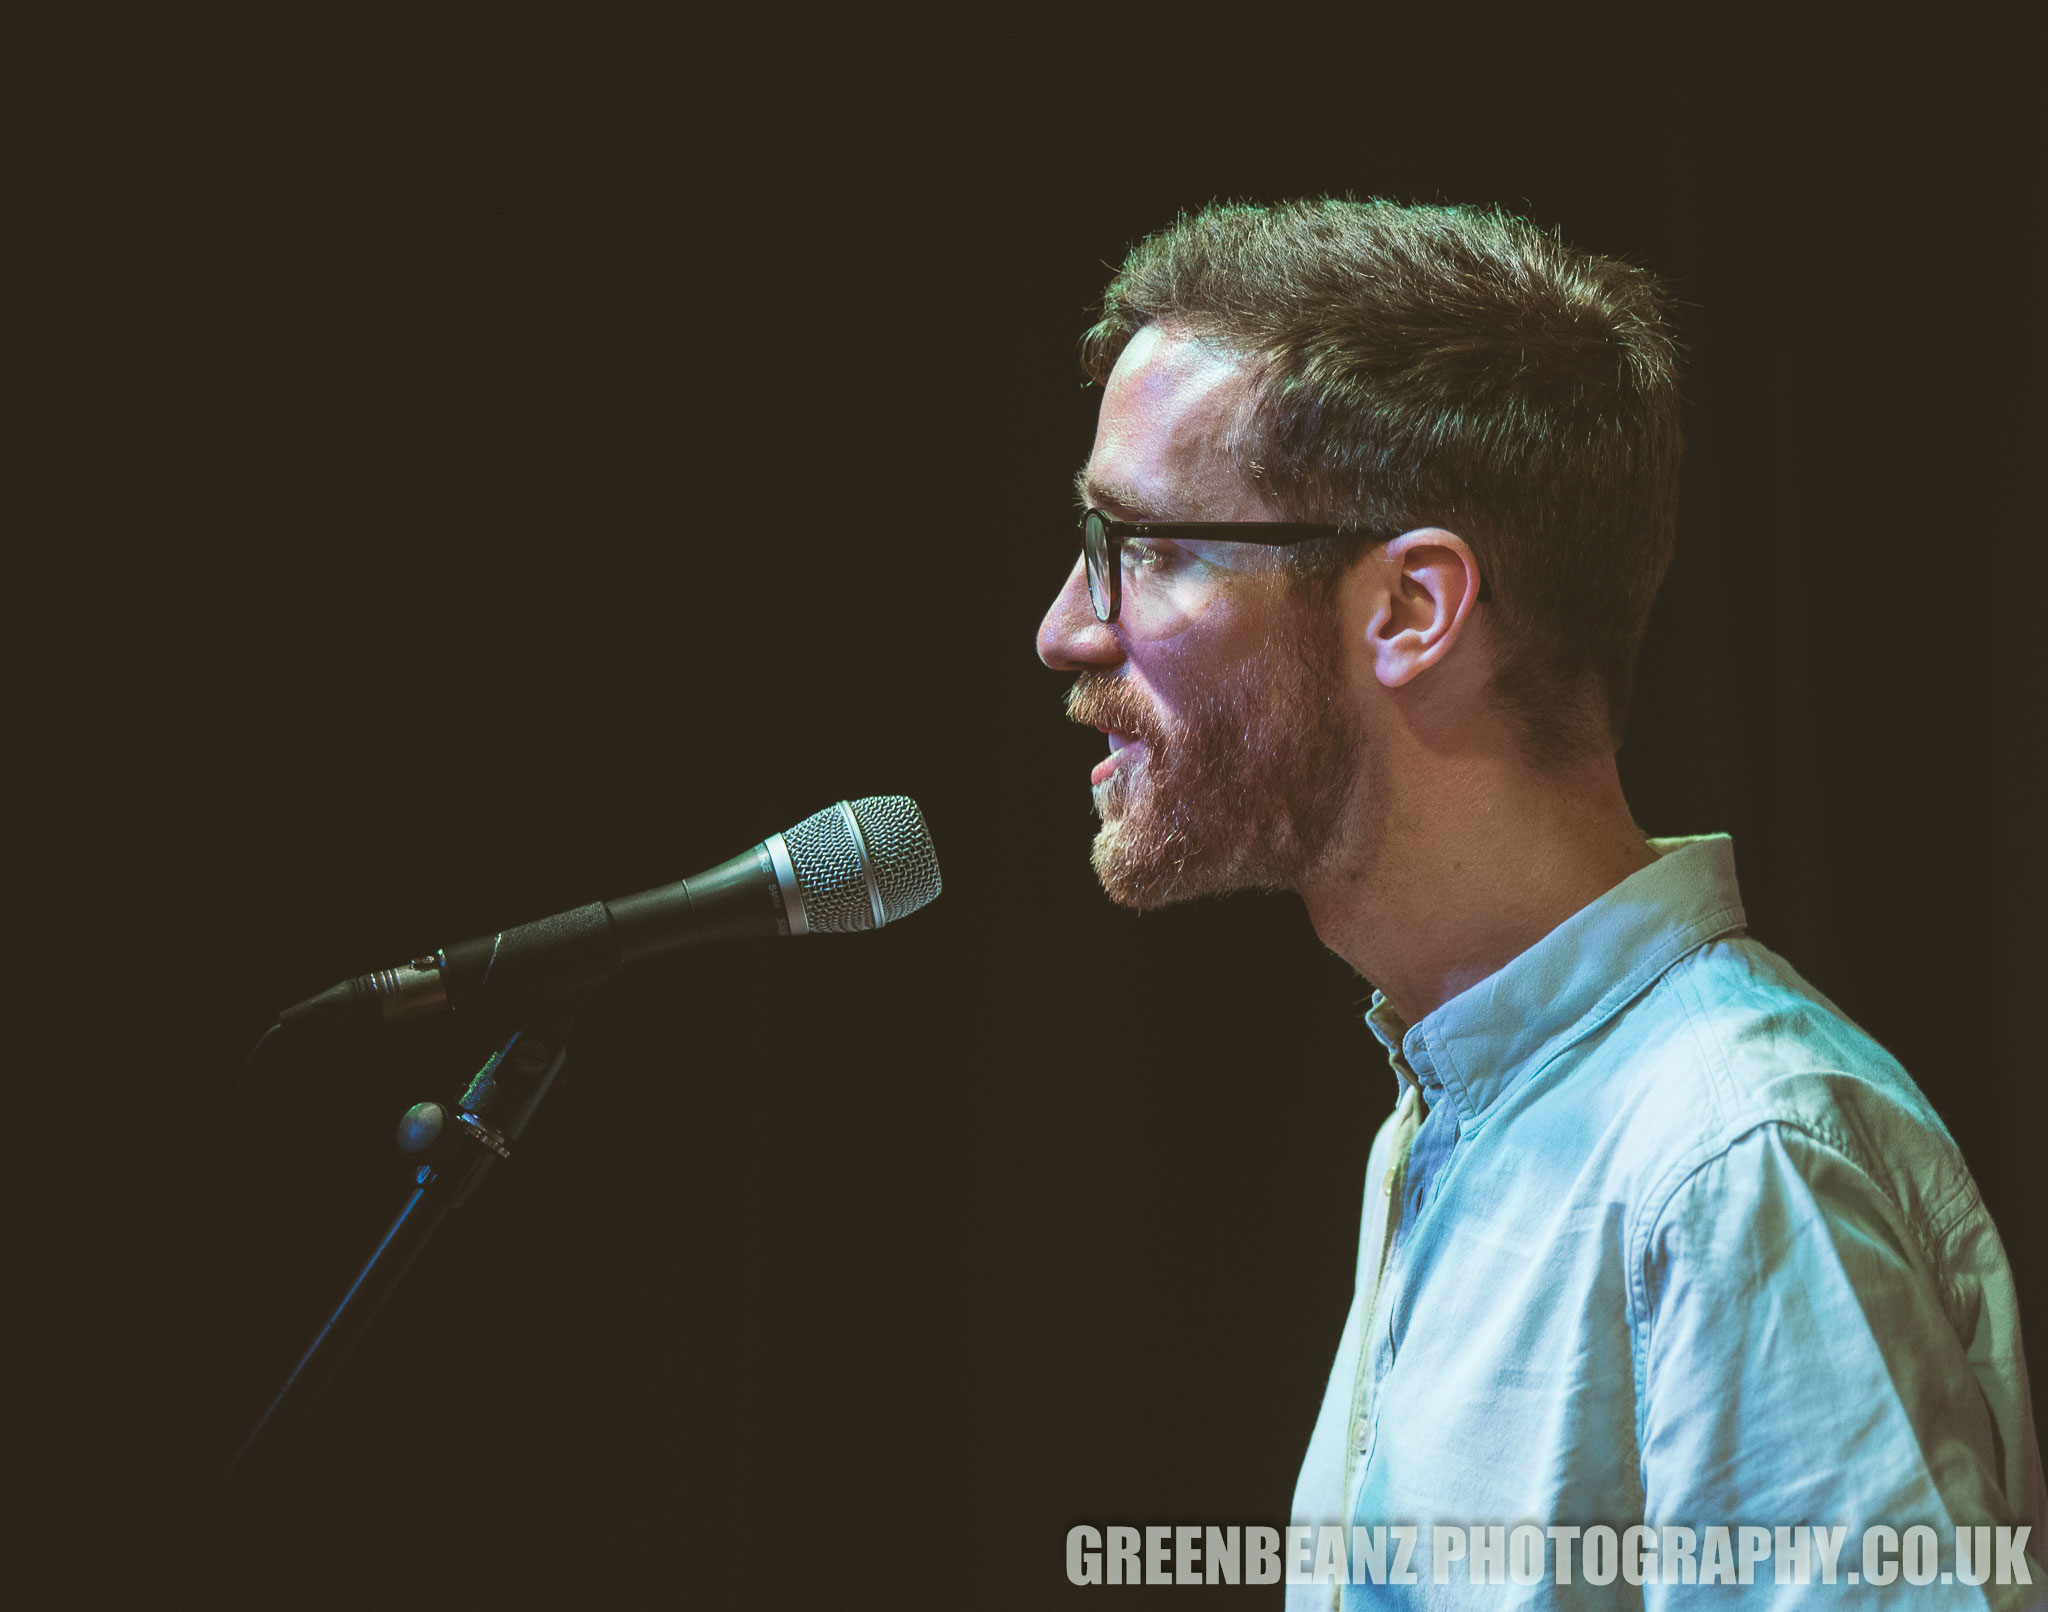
(1151, 554)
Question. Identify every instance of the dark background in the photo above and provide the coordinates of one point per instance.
(483, 460)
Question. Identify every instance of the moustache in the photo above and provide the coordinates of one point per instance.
(1100, 701)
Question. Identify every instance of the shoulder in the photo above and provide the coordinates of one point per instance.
(1734, 1044)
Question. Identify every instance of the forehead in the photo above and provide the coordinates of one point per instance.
(1162, 435)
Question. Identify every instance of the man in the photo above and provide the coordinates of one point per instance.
(1654, 1238)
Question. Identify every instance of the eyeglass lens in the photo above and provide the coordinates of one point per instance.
(1102, 567)
(1154, 587)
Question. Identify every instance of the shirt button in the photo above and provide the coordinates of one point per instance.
(1358, 1436)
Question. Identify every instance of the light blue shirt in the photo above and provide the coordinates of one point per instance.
(1656, 1236)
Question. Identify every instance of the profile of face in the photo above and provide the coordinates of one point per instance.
(1231, 753)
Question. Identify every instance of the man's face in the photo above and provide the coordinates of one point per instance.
(1231, 754)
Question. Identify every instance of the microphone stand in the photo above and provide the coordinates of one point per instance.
(455, 1151)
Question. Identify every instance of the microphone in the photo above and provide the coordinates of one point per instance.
(854, 866)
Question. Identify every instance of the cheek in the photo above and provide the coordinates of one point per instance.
(1166, 674)
(1228, 648)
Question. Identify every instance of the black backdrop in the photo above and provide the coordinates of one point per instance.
(486, 460)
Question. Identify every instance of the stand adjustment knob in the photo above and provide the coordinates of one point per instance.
(421, 1129)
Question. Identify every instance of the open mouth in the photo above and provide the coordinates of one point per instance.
(1124, 751)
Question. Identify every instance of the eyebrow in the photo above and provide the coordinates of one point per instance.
(1117, 499)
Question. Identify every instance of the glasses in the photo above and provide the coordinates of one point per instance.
(1103, 540)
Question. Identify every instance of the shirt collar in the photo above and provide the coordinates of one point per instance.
(1479, 1043)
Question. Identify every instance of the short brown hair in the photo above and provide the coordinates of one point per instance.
(1454, 367)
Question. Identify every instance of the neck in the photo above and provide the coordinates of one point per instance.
(1478, 858)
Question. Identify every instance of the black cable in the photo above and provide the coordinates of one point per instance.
(232, 1133)
(254, 1061)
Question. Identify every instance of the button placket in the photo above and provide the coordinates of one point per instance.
(1365, 1373)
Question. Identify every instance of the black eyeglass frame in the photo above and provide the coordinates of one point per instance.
(1103, 537)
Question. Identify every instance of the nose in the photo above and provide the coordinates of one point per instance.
(1070, 639)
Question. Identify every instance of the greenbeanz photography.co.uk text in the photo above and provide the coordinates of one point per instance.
(1734, 1554)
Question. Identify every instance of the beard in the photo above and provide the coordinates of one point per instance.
(1243, 790)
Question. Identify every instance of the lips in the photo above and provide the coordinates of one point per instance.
(1116, 712)
(1121, 752)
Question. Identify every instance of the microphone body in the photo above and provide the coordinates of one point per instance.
(856, 865)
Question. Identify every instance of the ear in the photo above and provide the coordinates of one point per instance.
(1423, 592)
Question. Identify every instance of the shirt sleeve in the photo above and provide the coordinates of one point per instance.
(1797, 1367)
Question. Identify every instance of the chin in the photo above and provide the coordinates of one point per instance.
(1126, 852)
(1126, 884)
(1144, 882)
(1145, 865)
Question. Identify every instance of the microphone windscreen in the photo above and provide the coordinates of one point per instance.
(844, 890)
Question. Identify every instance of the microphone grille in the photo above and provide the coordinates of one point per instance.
(900, 851)
(832, 878)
